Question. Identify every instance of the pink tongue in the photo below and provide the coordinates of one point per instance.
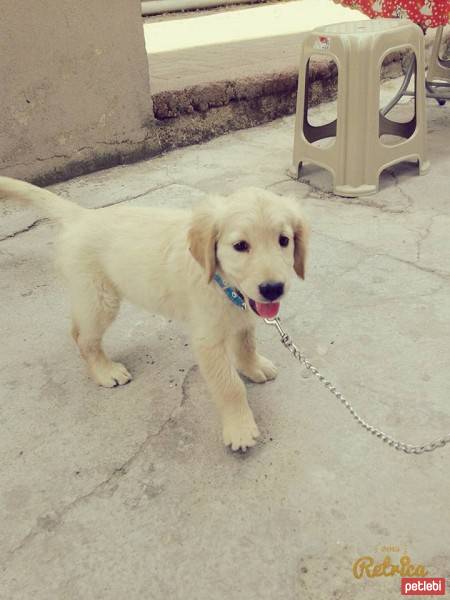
(267, 311)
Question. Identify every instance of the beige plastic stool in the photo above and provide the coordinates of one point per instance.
(357, 156)
(438, 68)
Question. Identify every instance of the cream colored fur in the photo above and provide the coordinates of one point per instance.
(163, 260)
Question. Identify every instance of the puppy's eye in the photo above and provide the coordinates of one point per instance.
(283, 240)
(242, 246)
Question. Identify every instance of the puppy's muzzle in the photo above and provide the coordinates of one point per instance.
(271, 291)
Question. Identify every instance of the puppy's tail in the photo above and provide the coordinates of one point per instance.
(55, 206)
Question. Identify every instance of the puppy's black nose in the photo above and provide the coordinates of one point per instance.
(271, 291)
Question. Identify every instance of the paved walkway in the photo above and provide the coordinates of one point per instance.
(223, 62)
(232, 45)
(129, 493)
(164, 34)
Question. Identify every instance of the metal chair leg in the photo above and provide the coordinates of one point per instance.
(403, 88)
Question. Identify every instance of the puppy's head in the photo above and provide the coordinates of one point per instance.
(256, 240)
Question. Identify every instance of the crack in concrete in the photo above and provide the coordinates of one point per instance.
(445, 275)
(423, 235)
(369, 203)
(372, 253)
(50, 522)
(287, 180)
(372, 204)
(24, 230)
(126, 199)
(129, 198)
(322, 194)
(405, 195)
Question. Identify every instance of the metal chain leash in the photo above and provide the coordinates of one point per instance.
(408, 448)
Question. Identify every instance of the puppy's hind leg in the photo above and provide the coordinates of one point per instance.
(95, 305)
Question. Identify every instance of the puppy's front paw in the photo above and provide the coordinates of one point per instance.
(240, 431)
(263, 370)
(111, 374)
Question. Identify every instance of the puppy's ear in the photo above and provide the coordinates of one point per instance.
(301, 234)
(202, 237)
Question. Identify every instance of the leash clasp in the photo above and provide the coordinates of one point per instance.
(276, 323)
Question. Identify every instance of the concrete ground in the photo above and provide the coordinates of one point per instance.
(129, 493)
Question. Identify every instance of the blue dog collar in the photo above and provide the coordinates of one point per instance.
(233, 294)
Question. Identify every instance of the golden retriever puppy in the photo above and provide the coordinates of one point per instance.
(218, 267)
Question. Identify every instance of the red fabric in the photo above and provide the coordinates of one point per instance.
(427, 13)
